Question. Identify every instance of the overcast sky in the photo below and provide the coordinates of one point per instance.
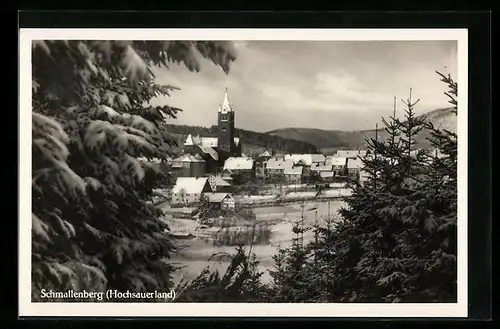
(334, 85)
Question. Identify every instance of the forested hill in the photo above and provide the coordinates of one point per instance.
(329, 141)
(253, 142)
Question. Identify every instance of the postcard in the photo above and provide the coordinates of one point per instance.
(243, 172)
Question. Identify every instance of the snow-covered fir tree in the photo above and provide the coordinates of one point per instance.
(93, 224)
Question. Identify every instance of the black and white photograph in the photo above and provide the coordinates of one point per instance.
(180, 171)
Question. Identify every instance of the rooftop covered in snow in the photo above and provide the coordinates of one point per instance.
(190, 185)
(238, 163)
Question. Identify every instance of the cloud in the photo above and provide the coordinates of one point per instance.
(327, 85)
(346, 88)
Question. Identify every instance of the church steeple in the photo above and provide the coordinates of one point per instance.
(226, 130)
(225, 107)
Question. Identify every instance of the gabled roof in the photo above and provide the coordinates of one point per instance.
(355, 163)
(317, 157)
(278, 163)
(238, 163)
(336, 161)
(301, 162)
(190, 185)
(210, 151)
(217, 197)
(266, 154)
(218, 181)
(308, 159)
(293, 171)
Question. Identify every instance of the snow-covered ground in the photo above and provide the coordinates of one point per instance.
(194, 258)
(337, 185)
(299, 195)
(253, 198)
(335, 193)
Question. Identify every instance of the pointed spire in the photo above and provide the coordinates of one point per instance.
(189, 141)
(225, 106)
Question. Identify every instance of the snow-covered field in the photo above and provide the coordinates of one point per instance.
(194, 257)
(299, 195)
(335, 193)
(248, 199)
(302, 195)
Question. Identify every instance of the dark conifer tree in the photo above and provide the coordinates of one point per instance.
(94, 225)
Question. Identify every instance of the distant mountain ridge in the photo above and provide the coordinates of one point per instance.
(328, 141)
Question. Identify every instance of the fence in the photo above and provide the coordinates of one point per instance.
(243, 235)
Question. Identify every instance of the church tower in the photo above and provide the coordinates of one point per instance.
(226, 129)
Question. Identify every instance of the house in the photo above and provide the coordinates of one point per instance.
(339, 164)
(321, 167)
(264, 156)
(192, 166)
(219, 200)
(306, 168)
(354, 165)
(307, 159)
(275, 167)
(241, 169)
(293, 175)
(327, 176)
(188, 190)
(239, 165)
(218, 184)
(260, 164)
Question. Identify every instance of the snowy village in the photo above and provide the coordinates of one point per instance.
(294, 174)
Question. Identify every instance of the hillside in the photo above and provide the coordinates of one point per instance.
(253, 142)
(328, 141)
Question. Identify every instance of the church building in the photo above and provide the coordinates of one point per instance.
(216, 150)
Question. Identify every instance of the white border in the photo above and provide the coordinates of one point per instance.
(26, 308)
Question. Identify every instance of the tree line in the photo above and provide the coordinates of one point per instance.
(248, 137)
